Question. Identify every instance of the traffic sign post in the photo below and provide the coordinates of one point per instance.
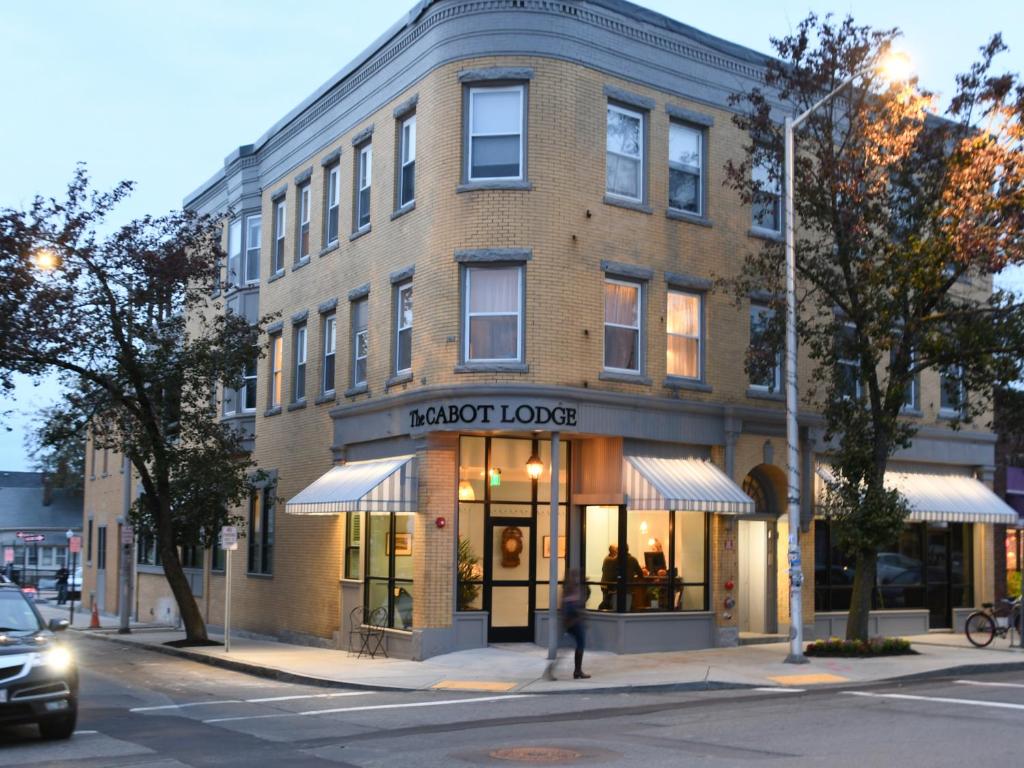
(229, 543)
(125, 586)
(74, 546)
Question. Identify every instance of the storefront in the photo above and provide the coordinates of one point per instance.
(929, 576)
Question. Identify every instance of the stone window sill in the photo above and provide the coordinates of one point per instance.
(624, 378)
(329, 248)
(327, 397)
(360, 232)
(274, 411)
(403, 210)
(399, 378)
(297, 405)
(632, 205)
(677, 382)
(300, 263)
(523, 185)
(758, 393)
(275, 276)
(690, 218)
(510, 367)
(358, 389)
(765, 234)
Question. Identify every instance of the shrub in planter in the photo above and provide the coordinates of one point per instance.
(876, 646)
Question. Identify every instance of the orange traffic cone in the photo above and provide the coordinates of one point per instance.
(94, 623)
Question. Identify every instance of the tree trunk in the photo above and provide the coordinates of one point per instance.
(195, 627)
(860, 601)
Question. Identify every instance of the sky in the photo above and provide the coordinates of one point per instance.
(159, 93)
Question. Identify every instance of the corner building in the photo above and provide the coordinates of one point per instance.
(491, 243)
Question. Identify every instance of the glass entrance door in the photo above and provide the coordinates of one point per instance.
(939, 615)
(508, 567)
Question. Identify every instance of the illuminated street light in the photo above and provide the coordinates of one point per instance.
(46, 259)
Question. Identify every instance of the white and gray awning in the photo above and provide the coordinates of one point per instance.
(694, 485)
(378, 485)
(943, 498)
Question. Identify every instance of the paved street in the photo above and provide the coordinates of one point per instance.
(148, 710)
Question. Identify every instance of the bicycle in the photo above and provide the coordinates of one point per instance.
(982, 626)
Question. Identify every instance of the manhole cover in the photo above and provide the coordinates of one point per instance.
(537, 754)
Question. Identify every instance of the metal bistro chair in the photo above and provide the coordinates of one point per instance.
(373, 639)
(356, 630)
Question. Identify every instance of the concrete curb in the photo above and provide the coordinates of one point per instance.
(280, 675)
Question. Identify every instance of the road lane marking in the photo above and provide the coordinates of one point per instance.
(86, 733)
(372, 707)
(811, 679)
(187, 704)
(994, 685)
(473, 685)
(250, 701)
(937, 700)
(782, 690)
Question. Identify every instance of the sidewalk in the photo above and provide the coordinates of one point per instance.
(519, 668)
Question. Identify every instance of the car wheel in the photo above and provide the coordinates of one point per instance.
(58, 727)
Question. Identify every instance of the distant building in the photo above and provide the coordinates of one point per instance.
(30, 505)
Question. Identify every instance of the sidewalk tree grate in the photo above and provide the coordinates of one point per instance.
(547, 755)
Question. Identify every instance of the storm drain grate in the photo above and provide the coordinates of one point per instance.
(549, 755)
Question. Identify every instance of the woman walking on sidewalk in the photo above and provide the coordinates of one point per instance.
(573, 602)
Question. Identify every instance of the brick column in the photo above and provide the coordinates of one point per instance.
(724, 567)
(434, 564)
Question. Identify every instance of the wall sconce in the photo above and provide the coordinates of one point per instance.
(466, 492)
(643, 528)
(534, 466)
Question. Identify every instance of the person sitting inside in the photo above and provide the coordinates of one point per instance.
(609, 577)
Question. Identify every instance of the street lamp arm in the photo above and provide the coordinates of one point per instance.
(825, 99)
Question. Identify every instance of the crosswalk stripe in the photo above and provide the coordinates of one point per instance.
(341, 710)
(937, 700)
(781, 690)
(266, 700)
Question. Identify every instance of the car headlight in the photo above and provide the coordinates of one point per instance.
(59, 659)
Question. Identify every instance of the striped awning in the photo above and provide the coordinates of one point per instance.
(379, 485)
(942, 498)
(694, 485)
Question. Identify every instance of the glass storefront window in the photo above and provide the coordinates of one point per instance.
(545, 551)
(472, 469)
(471, 557)
(544, 481)
(389, 571)
(658, 563)
(506, 474)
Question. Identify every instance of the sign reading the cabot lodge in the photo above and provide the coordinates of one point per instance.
(551, 416)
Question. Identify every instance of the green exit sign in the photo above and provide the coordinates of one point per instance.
(495, 478)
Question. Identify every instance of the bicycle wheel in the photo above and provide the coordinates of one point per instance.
(980, 629)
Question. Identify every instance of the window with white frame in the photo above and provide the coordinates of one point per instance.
(764, 357)
(302, 241)
(624, 143)
(364, 177)
(683, 326)
(403, 328)
(495, 133)
(622, 326)
(228, 397)
(333, 205)
(847, 361)
(407, 163)
(247, 395)
(299, 368)
(276, 364)
(952, 391)
(280, 219)
(767, 202)
(911, 390)
(329, 346)
(253, 229)
(685, 168)
(359, 342)
(493, 303)
(235, 253)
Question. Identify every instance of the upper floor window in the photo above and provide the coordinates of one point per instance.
(767, 203)
(622, 326)
(952, 391)
(685, 168)
(403, 329)
(364, 177)
(247, 395)
(848, 361)
(493, 324)
(765, 367)
(299, 370)
(260, 534)
(496, 133)
(235, 253)
(276, 361)
(683, 325)
(253, 231)
(624, 143)
(329, 347)
(407, 162)
(333, 203)
(912, 388)
(280, 219)
(302, 241)
(359, 342)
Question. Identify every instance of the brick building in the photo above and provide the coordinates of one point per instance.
(499, 227)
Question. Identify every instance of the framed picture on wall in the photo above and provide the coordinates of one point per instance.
(546, 544)
(403, 544)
